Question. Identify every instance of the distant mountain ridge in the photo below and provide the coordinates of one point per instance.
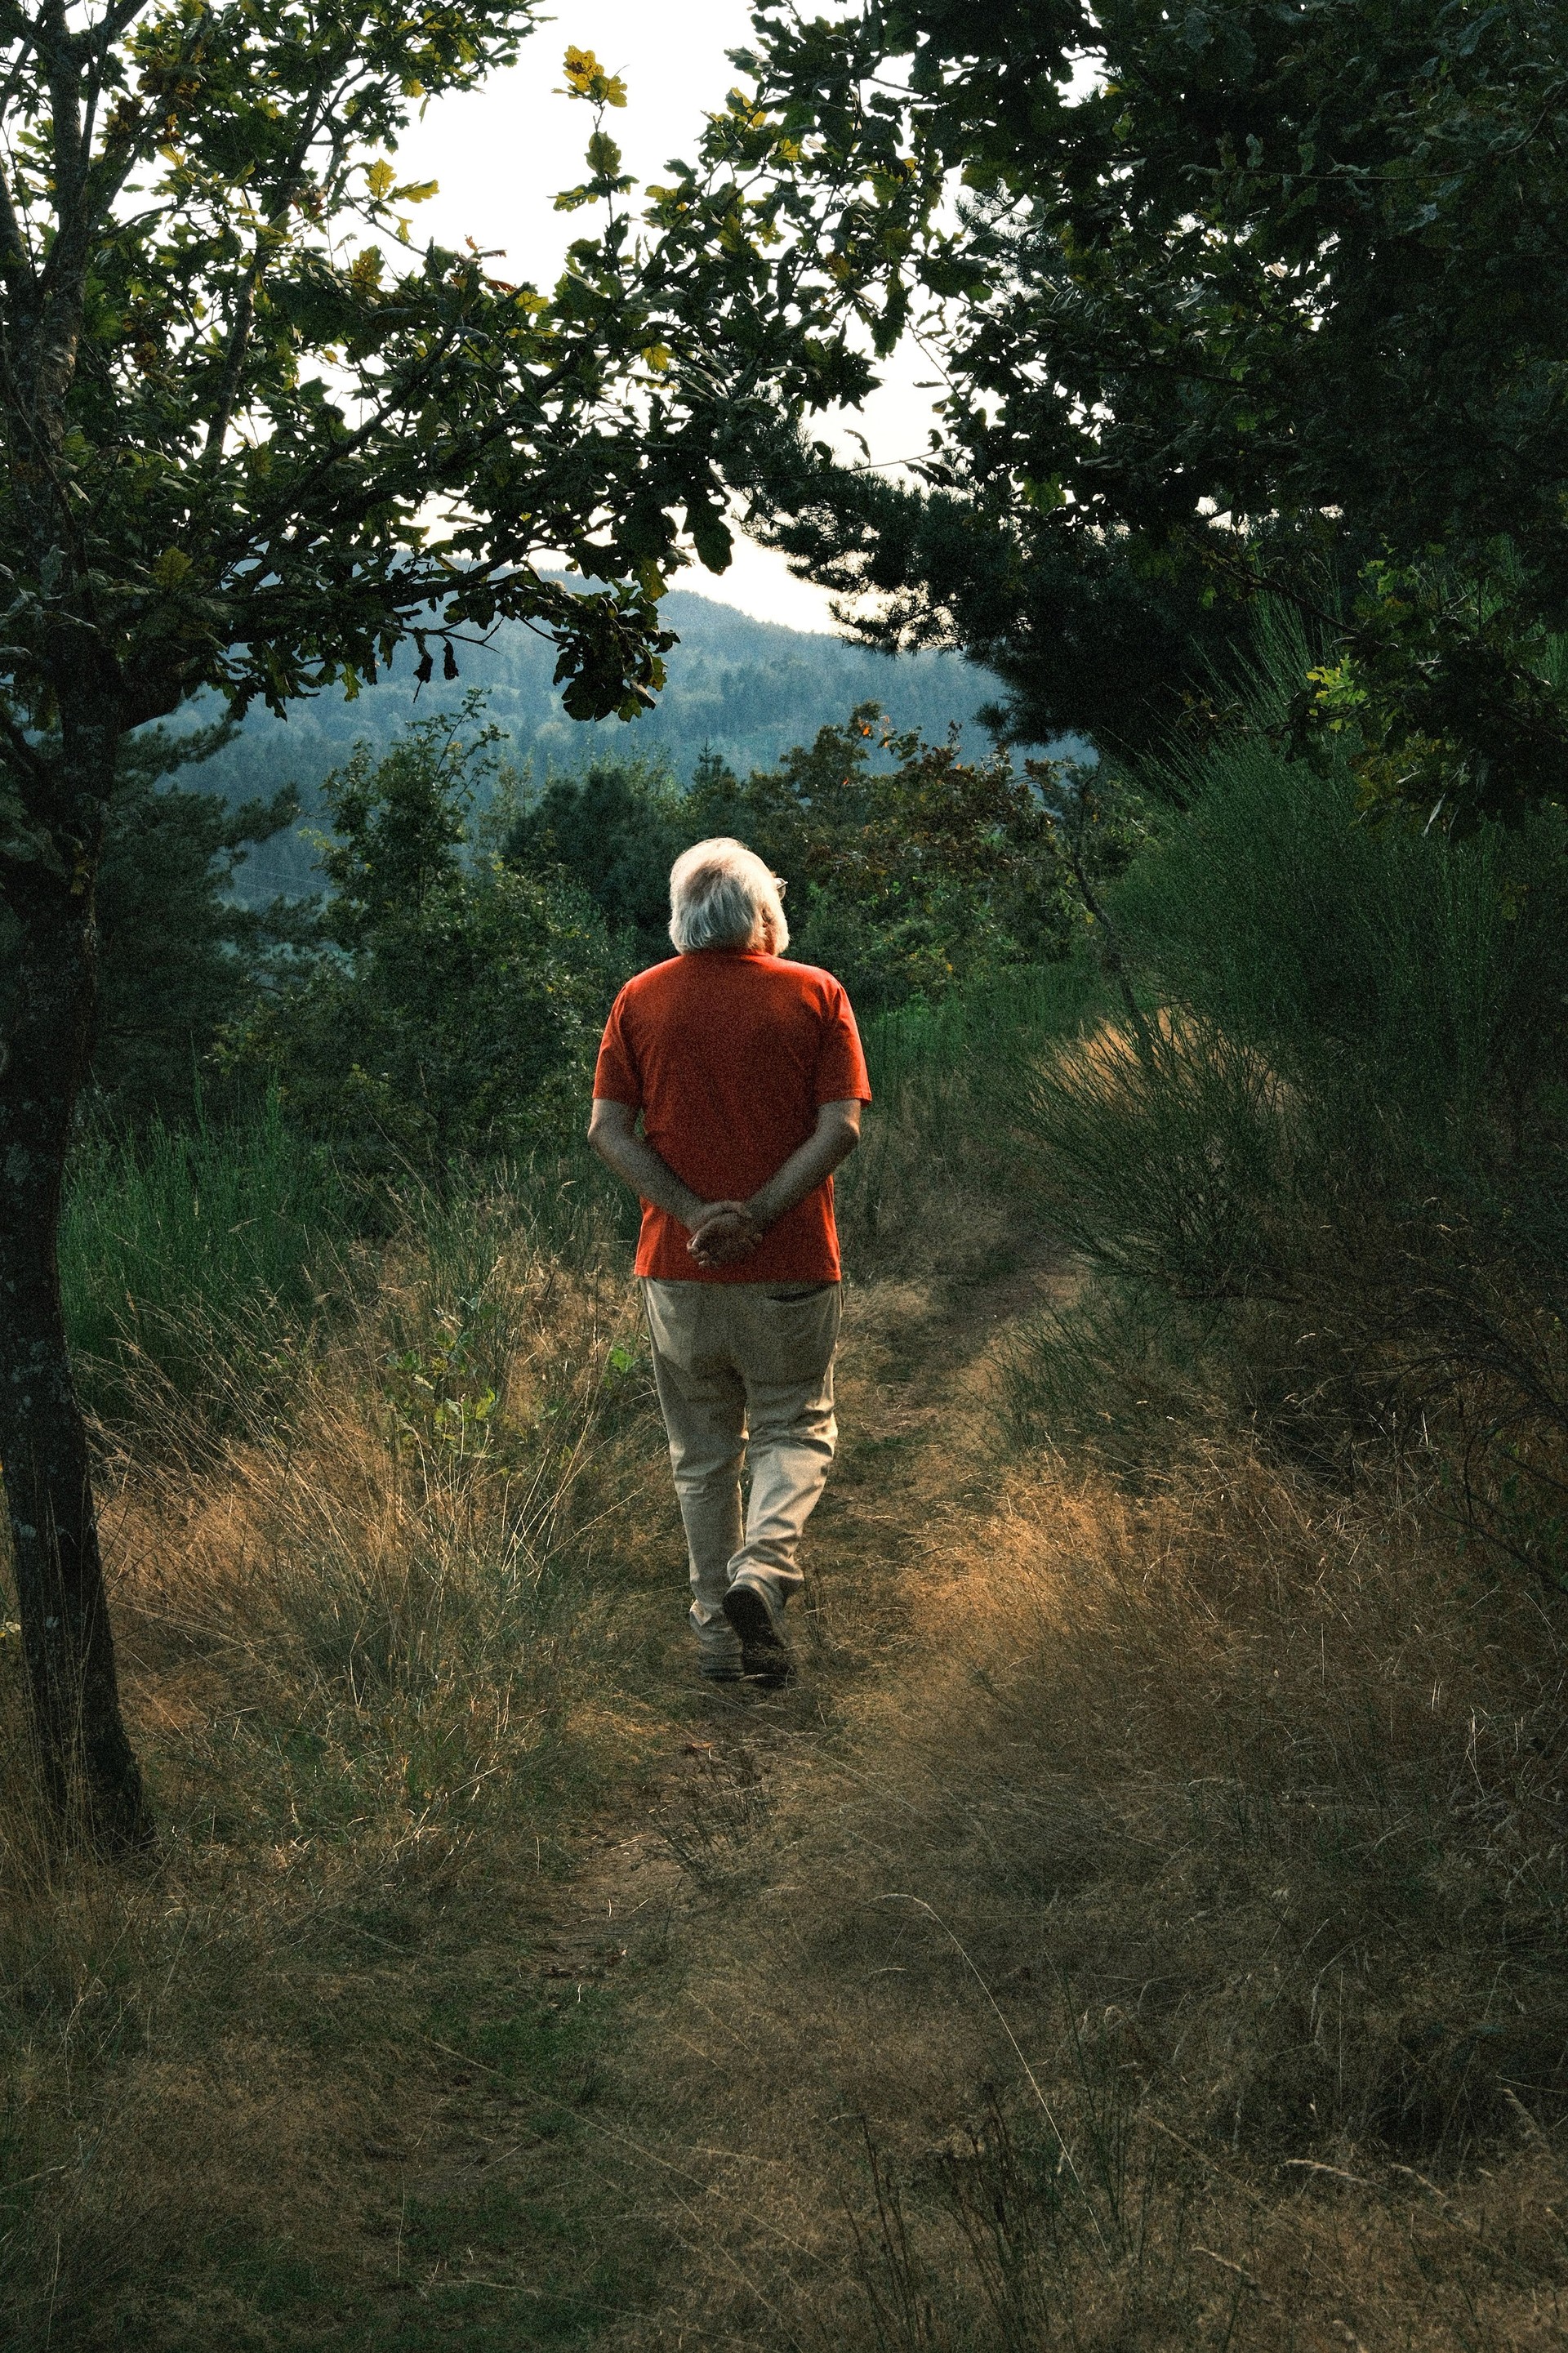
(747, 689)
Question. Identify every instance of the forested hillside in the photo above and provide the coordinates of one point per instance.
(746, 689)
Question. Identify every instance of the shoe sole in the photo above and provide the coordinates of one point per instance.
(764, 1656)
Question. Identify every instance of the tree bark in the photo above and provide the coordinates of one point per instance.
(90, 1779)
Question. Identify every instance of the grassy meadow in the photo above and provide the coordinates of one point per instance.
(1139, 1926)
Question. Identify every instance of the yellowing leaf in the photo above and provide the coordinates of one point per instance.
(380, 177)
(171, 568)
(417, 192)
(657, 355)
(586, 78)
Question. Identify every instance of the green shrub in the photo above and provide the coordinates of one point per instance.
(1418, 982)
(1327, 1193)
(910, 873)
(616, 830)
(467, 1026)
(459, 1011)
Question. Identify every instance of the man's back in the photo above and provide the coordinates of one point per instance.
(728, 1056)
(749, 1076)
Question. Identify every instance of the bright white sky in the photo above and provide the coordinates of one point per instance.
(501, 154)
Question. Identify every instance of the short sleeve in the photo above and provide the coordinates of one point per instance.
(616, 1076)
(841, 1073)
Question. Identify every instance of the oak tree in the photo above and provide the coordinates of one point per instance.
(254, 438)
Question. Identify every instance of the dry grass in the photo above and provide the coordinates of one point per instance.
(1140, 1927)
(386, 1658)
(1165, 1951)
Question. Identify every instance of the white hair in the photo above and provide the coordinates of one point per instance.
(722, 896)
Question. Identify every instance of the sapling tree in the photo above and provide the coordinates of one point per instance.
(253, 440)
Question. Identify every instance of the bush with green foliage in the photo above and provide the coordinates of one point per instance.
(458, 1007)
(1327, 1187)
(908, 873)
(908, 870)
(615, 829)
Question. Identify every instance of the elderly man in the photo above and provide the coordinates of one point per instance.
(749, 1077)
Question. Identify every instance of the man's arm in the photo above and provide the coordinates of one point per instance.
(613, 1134)
(835, 1137)
(722, 1232)
(730, 1230)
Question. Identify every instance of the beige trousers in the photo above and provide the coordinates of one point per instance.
(744, 1367)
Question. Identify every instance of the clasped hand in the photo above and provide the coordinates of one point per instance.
(724, 1233)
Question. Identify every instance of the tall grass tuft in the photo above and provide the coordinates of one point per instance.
(945, 1079)
(1162, 1950)
(1413, 984)
(194, 1261)
(375, 1643)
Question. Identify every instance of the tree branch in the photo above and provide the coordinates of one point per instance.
(116, 20)
(20, 752)
(15, 262)
(245, 308)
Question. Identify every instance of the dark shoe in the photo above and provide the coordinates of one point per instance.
(721, 1667)
(764, 1654)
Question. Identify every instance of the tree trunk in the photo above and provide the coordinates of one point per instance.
(90, 1779)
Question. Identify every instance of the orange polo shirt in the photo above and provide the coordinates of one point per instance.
(728, 1057)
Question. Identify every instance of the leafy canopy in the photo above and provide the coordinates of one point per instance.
(250, 443)
(256, 436)
(1277, 297)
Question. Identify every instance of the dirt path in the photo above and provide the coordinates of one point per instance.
(511, 2123)
(701, 2019)
(803, 2050)
(912, 1474)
